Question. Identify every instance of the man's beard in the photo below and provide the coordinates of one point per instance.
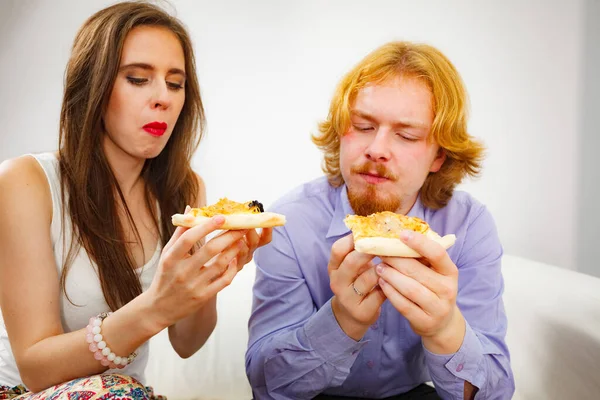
(370, 200)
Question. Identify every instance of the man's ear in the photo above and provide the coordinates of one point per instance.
(438, 161)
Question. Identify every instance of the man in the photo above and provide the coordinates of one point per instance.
(329, 321)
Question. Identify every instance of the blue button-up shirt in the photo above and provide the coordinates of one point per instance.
(296, 348)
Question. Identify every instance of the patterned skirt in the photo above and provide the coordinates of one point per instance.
(115, 387)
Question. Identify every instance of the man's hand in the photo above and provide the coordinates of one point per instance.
(424, 291)
(357, 298)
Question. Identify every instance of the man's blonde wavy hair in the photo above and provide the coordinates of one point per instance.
(449, 129)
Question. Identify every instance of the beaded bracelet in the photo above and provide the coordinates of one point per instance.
(99, 347)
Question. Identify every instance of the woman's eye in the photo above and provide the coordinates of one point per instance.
(174, 86)
(136, 81)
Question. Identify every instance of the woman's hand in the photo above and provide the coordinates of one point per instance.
(253, 241)
(185, 282)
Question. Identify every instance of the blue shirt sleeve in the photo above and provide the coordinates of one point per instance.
(483, 358)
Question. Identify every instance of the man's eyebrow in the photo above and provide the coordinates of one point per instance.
(401, 124)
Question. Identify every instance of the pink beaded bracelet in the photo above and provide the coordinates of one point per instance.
(99, 347)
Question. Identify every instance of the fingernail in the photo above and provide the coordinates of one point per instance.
(382, 283)
(406, 235)
(219, 219)
(187, 208)
(379, 269)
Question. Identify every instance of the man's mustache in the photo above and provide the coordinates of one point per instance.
(370, 168)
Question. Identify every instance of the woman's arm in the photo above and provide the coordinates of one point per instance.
(30, 289)
(188, 335)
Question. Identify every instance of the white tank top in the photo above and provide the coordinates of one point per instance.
(82, 285)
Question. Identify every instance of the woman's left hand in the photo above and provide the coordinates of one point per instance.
(252, 242)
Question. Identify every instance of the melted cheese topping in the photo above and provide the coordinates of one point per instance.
(384, 224)
(225, 207)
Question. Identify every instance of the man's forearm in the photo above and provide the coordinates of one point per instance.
(450, 339)
(352, 328)
(477, 368)
(322, 355)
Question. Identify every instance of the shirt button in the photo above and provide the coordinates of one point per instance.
(354, 352)
(459, 367)
(370, 364)
(374, 326)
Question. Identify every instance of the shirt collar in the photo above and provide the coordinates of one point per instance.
(342, 208)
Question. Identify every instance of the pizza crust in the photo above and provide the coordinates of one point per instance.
(389, 247)
(234, 221)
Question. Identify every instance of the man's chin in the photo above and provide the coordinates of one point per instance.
(369, 201)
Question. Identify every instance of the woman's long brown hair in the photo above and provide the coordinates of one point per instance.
(91, 194)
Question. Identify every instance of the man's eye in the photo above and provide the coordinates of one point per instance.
(407, 138)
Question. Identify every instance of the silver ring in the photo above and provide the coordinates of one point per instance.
(358, 292)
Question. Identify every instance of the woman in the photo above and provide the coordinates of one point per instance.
(87, 231)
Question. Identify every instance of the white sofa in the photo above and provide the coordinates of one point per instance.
(553, 335)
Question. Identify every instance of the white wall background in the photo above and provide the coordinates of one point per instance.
(268, 69)
(588, 251)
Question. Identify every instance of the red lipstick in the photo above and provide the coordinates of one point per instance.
(156, 128)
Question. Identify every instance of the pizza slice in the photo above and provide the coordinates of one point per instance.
(247, 215)
(379, 234)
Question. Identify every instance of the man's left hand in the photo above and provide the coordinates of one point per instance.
(424, 291)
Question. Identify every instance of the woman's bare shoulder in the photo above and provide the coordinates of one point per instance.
(24, 183)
